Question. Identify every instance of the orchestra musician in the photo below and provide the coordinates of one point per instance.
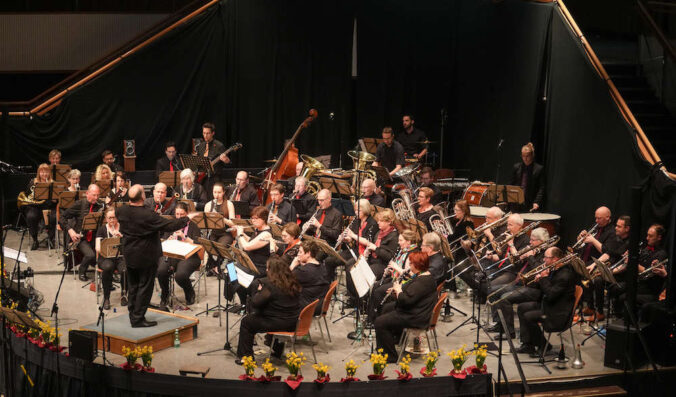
(33, 212)
(413, 302)
(326, 224)
(424, 207)
(108, 266)
(368, 192)
(103, 173)
(292, 180)
(310, 273)
(274, 306)
(74, 180)
(108, 158)
(159, 202)
(71, 221)
(504, 265)
(212, 148)
(289, 250)
(281, 211)
(431, 245)
(189, 190)
(530, 176)
(555, 307)
(461, 221)
(54, 157)
(243, 190)
(168, 162)
(308, 203)
(224, 207)
(257, 246)
(427, 180)
(390, 153)
(120, 186)
(183, 268)
(141, 247)
(412, 138)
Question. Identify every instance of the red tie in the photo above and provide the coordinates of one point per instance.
(321, 222)
(298, 220)
(171, 166)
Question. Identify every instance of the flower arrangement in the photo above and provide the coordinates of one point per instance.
(268, 368)
(458, 358)
(480, 352)
(404, 371)
(131, 355)
(294, 362)
(322, 372)
(430, 369)
(249, 365)
(379, 362)
(350, 371)
(147, 358)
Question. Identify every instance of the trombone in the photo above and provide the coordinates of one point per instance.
(498, 247)
(596, 273)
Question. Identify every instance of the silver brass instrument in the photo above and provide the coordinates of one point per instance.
(407, 175)
(529, 277)
(580, 242)
(648, 272)
(596, 273)
(440, 222)
(403, 206)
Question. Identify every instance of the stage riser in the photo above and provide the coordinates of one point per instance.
(159, 342)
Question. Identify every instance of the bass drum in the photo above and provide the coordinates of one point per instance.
(549, 221)
(477, 194)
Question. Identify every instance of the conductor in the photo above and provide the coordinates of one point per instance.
(141, 247)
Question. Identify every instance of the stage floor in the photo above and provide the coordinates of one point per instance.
(78, 308)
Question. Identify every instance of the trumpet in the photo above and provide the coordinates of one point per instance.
(580, 241)
(648, 272)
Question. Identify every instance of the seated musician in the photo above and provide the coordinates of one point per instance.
(327, 222)
(310, 274)
(289, 250)
(243, 190)
(274, 306)
(74, 180)
(168, 162)
(530, 176)
(516, 291)
(108, 158)
(361, 231)
(413, 302)
(181, 268)
(387, 243)
(224, 207)
(503, 270)
(71, 221)
(424, 209)
(412, 138)
(120, 190)
(368, 192)
(292, 181)
(189, 190)
(257, 246)
(427, 180)
(652, 274)
(108, 266)
(555, 307)
(54, 157)
(308, 203)
(33, 212)
(159, 202)
(212, 148)
(431, 245)
(593, 249)
(461, 221)
(102, 173)
(281, 211)
(390, 153)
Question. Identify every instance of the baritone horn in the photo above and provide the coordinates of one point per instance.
(311, 166)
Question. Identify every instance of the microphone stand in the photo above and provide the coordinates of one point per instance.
(498, 157)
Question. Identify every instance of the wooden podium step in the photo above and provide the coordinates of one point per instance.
(605, 391)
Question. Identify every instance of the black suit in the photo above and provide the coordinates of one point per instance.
(384, 253)
(535, 183)
(438, 267)
(285, 211)
(311, 278)
(249, 194)
(162, 164)
(375, 199)
(150, 204)
(197, 194)
(331, 226)
(141, 247)
(72, 218)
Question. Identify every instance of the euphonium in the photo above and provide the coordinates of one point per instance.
(403, 207)
(440, 223)
(22, 199)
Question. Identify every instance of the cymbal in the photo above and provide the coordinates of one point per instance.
(426, 141)
(270, 161)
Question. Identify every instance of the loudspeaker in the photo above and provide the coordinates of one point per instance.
(129, 147)
(83, 344)
(618, 347)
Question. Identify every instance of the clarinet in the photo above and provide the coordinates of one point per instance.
(396, 254)
(234, 193)
(306, 225)
(342, 236)
(397, 280)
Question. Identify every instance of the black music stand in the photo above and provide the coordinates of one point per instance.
(60, 172)
(170, 178)
(196, 163)
(382, 174)
(341, 187)
(242, 208)
(221, 252)
(344, 206)
(67, 199)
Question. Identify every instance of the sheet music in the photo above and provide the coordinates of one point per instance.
(243, 278)
(11, 254)
(180, 248)
(362, 276)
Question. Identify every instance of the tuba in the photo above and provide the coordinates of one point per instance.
(310, 167)
(361, 162)
(29, 199)
(403, 207)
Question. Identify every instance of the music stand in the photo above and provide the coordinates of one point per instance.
(338, 186)
(580, 268)
(104, 185)
(196, 163)
(344, 206)
(243, 259)
(49, 191)
(512, 195)
(608, 277)
(60, 172)
(325, 247)
(381, 173)
(110, 247)
(241, 208)
(219, 250)
(67, 199)
(170, 178)
(370, 144)
(209, 221)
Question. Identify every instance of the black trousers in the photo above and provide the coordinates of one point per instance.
(88, 255)
(389, 325)
(530, 315)
(517, 294)
(253, 324)
(594, 295)
(141, 282)
(108, 267)
(225, 239)
(33, 214)
(331, 264)
(182, 269)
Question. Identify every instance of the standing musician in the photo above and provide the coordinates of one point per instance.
(182, 269)
(257, 246)
(414, 301)
(530, 176)
(141, 247)
(212, 148)
(427, 180)
(224, 207)
(327, 223)
(556, 306)
(412, 138)
(189, 190)
(71, 221)
(168, 162)
(274, 306)
(54, 157)
(308, 205)
(243, 190)
(74, 180)
(390, 153)
(159, 202)
(368, 192)
(108, 159)
(289, 250)
(33, 212)
(281, 211)
(425, 208)
(518, 292)
(592, 248)
(310, 274)
(109, 265)
(431, 245)
(651, 280)
(120, 189)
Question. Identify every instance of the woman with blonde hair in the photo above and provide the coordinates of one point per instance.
(33, 212)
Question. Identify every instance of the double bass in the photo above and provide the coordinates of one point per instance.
(285, 166)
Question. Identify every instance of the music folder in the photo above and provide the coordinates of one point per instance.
(242, 208)
(362, 276)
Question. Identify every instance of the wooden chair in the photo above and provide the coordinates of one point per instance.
(302, 328)
(430, 330)
(325, 310)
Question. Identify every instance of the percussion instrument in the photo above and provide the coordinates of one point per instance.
(548, 221)
(477, 193)
(478, 215)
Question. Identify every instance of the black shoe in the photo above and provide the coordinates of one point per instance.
(83, 277)
(189, 297)
(106, 304)
(144, 323)
(504, 336)
(34, 246)
(525, 349)
(495, 328)
(164, 305)
(123, 301)
(238, 361)
(353, 335)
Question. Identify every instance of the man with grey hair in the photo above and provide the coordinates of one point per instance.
(243, 191)
(431, 245)
(304, 203)
(327, 223)
(368, 191)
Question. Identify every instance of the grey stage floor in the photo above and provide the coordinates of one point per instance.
(78, 307)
